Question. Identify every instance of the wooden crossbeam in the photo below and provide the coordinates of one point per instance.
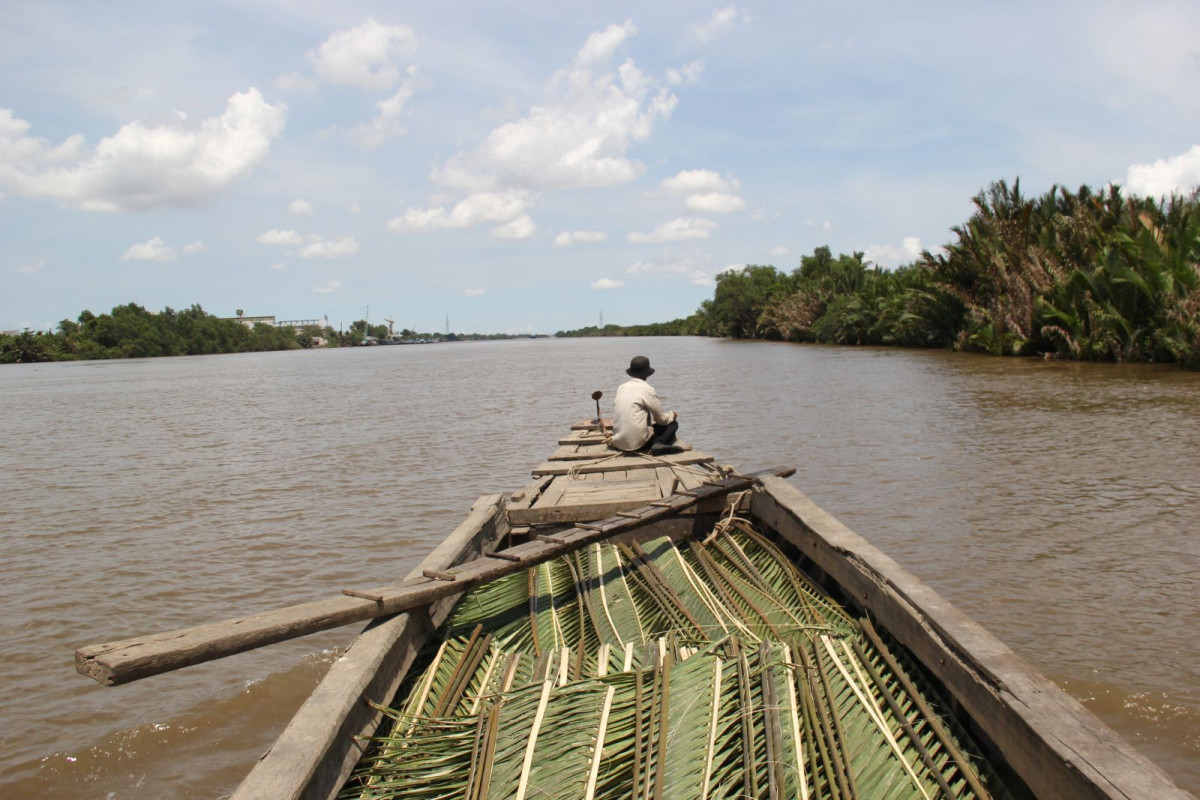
(119, 662)
(617, 463)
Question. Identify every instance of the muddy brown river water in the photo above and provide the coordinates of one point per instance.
(1058, 504)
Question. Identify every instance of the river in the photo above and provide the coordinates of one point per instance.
(1056, 503)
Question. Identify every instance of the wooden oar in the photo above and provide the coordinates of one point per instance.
(114, 663)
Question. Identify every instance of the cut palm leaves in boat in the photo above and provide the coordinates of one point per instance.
(667, 669)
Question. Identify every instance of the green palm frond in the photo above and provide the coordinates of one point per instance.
(710, 670)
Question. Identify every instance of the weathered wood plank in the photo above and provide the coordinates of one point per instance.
(666, 480)
(570, 500)
(591, 424)
(583, 437)
(553, 493)
(572, 452)
(1059, 748)
(622, 462)
(113, 663)
(529, 493)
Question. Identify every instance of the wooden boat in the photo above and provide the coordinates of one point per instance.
(748, 644)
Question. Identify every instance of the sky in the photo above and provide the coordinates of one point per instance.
(528, 167)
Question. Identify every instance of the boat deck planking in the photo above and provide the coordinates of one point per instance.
(593, 492)
(612, 462)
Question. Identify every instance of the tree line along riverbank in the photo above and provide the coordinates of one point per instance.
(1089, 275)
(1086, 274)
(130, 331)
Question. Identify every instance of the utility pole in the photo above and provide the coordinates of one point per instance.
(447, 324)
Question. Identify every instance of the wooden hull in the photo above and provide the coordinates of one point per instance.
(1031, 728)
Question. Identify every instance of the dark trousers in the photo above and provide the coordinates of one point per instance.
(663, 435)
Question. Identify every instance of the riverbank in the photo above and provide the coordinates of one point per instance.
(1084, 276)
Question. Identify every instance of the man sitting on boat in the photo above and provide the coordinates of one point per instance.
(639, 422)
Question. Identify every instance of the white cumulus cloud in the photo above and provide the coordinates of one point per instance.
(655, 267)
(1176, 175)
(720, 20)
(607, 283)
(277, 237)
(714, 203)
(154, 249)
(688, 73)
(477, 208)
(300, 208)
(601, 45)
(700, 279)
(697, 181)
(572, 238)
(365, 57)
(891, 255)
(328, 288)
(579, 136)
(329, 248)
(295, 82)
(705, 191)
(30, 267)
(779, 251)
(520, 228)
(388, 113)
(141, 167)
(194, 248)
(677, 230)
(473, 292)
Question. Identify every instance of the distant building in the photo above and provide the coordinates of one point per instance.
(250, 322)
(299, 324)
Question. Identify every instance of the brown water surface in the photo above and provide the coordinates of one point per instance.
(1056, 503)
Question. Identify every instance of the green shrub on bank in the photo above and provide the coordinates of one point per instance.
(131, 331)
(1081, 275)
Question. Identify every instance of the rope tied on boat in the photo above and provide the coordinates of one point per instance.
(730, 520)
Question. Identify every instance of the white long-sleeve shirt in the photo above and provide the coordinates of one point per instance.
(636, 410)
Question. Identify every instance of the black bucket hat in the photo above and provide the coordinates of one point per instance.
(639, 367)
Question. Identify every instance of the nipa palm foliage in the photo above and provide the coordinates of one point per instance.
(666, 670)
(1087, 275)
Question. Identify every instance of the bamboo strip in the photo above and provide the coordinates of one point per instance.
(797, 742)
(483, 683)
(598, 753)
(635, 790)
(701, 590)
(527, 764)
(714, 714)
(600, 573)
(602, 660)
(664, 726)
(439, 708)
(430, 671)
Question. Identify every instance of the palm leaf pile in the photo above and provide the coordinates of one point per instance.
(666, 670)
